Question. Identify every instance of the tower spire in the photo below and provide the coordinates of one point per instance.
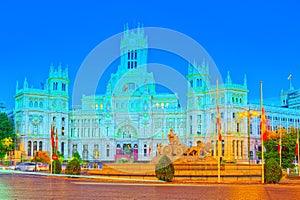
(245, 80)
(228, 78)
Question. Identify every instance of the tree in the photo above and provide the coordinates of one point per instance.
(73, 167)
(7, 135)
(272, 171)
(77, 156)
(288, 144)
(288, 149)
(56, 167)
(164, 169)
(41, 156)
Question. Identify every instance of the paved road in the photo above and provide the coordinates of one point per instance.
(18, 186)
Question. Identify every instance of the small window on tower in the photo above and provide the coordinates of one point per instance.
(135, 64)
(128, 55)
(135, 54)
(63, 87)
(128, 65)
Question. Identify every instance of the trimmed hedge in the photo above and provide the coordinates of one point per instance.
(273, 172)
(73, 167)
(164, 169)
(56, 167)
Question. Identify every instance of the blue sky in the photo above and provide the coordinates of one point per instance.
(257, 38)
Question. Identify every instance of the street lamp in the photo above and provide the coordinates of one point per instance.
(249, 115)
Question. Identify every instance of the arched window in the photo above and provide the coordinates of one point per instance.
(107, 150)
(29, 147)
(85, 152)
(96, 151)
(35, 146)
(191, 83)
(74, 150)
(41, 146)
(197, 82)
(251, 155)
(41, 105)
(30, 104)
(145, 149)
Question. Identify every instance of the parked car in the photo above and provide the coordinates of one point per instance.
(27, 166)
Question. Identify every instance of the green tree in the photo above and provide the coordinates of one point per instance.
(7, 135)
(77, 156)
(288, 145)
(56, 167)
(73, 167)
(272, 171)
(288, 149)
(164, 169)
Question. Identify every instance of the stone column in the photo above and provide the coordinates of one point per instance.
(239, 149)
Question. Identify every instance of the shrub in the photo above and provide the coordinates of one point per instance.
(273, 172)
(164, 169)
(56, 167)
(73, 167)
(122, 160)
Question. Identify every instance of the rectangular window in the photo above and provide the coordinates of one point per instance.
(199, 118)
(199, 129)
(62, 148)
(237, 127)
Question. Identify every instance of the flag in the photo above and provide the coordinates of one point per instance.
(150, 148)
(125, 87)
(263, 126)
(52, 137)
(279, 149)
(297, 148)
(290, 76)
(219, 124)
(56, 140)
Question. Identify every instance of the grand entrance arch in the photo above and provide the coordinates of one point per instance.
(127, 131)
(127, 143)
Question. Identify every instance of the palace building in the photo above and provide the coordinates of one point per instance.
(132, 118)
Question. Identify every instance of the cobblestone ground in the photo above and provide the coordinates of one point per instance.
(17, 186)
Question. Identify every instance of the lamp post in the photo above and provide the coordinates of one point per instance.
(249, 115)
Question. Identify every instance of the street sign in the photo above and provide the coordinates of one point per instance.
(54, 157)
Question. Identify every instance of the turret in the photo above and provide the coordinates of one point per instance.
(228, 78)
(133, 49)
(58, 81)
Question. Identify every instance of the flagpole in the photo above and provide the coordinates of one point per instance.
(262, 138)
(280, 148)
(219, 144)
(297, 142)
(51, 149)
